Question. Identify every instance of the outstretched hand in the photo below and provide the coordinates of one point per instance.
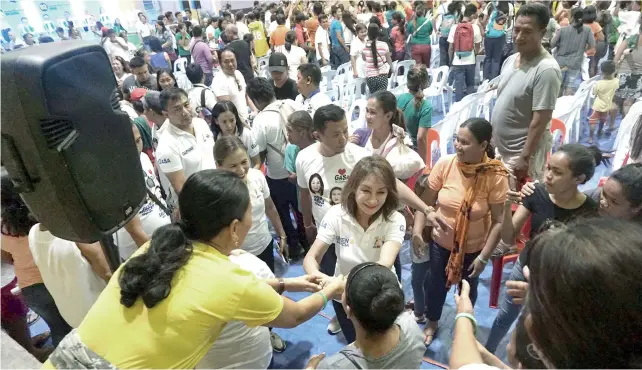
(305, 283)
(462, 300)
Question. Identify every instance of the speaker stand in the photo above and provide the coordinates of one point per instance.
(111, 252)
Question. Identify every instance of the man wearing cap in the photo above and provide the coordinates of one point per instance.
(284, 86)
(241, 50)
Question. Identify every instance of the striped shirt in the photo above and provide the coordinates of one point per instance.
(382, 65)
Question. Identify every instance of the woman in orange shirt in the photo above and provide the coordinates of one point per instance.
(470, 189)
(590, 19)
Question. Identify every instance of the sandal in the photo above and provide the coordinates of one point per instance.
(429, 337)
(420, 319)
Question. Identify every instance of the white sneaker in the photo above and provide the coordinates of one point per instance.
(278, 344)
(334, 327)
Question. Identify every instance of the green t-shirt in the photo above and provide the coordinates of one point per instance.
(182, 52)
(423, 36)
(291, 151)
(415, 119)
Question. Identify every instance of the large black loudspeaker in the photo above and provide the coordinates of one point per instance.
(71, 155)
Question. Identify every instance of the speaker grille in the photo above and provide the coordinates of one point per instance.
(58, 133)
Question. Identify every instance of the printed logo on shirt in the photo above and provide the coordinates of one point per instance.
(342, 242)
(163, 161)
(341, 176)
(402, 227)
(191, 148)
(378, 242)
(318, 200)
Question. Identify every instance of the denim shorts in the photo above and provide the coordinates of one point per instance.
(570, 79)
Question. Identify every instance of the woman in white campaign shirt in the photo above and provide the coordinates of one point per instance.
(70, 272)
(227, 122)
(365, 227)
(356, 52)
(151, 215)
(231, 155)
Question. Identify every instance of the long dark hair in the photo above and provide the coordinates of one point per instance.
(373, 35)
(585, 280)
(348, 20)
(165, 71)
(225, 106)
(124, 63)
(16, 218)
(482, 130)
(290, 38)
(209, 202)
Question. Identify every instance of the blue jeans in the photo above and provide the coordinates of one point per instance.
(492, 62)
(464, 80)
(437, 291)
(420, 282)
(339, 56)
(508, 312)
(443, 52)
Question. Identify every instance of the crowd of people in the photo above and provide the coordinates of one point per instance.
(234, 159)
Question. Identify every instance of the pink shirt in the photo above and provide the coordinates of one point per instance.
(202, 55)
(397, 38)
(382, 67)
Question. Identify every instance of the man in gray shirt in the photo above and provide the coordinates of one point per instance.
(407, 354)
(527, 92)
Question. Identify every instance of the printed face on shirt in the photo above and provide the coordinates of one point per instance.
(371, 195)
(226, 121)
(141, 73)
(179, 112)
(335, 196)
(316, 184)
(237, 162)
(137, 139)
(335, 136)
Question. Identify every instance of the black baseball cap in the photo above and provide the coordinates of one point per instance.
(278, 63)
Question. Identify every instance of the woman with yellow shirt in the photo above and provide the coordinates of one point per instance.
(470, 188)
(167, 305)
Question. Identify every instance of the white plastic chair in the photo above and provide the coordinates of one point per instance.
(344, 73)
(622, 142)
(399, 77)
(180, 65)
(182, 81)
(355, 89)
(435, 59)
(359, 108)
(327, 80)
(585, 69)
(392, 79)
(479, 69)
(397, 91)
(436, 88)
(334, 95)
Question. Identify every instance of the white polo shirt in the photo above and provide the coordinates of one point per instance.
(68, 276)
(247, 137)
(144, 29)
(266, 129)
(234, 87)
(179, 150)
(314, 102)
(259, 236)
(151, 214)
(322, 37)
(333, 173)
(352, 243)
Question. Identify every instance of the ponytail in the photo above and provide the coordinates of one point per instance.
(290, 38)
(373, 35)
(149, 275)
(399, 120)
(490, 151)
(578, 19)
(402, 26)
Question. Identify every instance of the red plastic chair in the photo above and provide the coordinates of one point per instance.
(431, 136)
(500, 262)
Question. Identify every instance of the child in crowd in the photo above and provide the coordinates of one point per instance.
(604, 91)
